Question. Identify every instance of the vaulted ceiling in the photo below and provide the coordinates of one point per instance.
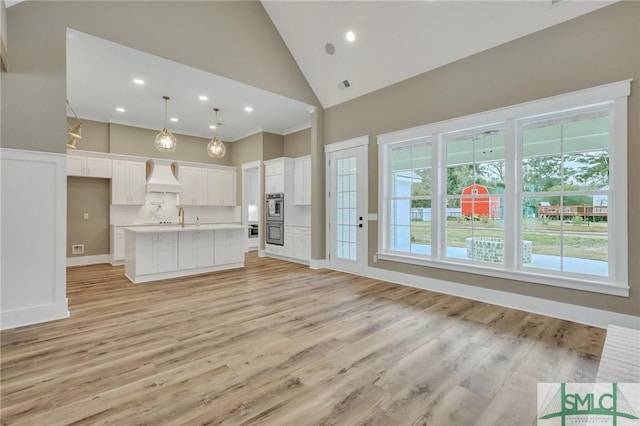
(395, 40)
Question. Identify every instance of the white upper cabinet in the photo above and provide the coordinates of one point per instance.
(302, 181)
(222, 187)
(128, 182)
(194, 186)
(88, 166)
(276, 172)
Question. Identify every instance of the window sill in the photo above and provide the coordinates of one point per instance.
(577, 283)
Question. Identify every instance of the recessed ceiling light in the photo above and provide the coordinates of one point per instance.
(351, 36)
(120, 109)
(204, 98)
(174, 119)
(212, 126)
(248, 109)
(138, 81)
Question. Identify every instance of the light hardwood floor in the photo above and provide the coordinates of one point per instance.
(276, 343)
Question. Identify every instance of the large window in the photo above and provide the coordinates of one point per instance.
(410, 198)
(534, 192)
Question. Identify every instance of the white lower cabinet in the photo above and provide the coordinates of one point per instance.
(157, 252)
(297, 244)
(228, 246)
(288, 241)
(195, 249)
(117, 244)
(302, 243)
(152, 254)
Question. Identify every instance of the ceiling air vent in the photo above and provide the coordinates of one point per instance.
(344, 84)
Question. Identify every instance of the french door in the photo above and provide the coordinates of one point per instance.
(347, 205)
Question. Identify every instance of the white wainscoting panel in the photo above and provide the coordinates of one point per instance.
(33, 236)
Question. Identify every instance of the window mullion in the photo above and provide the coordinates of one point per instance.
(438, 200)
(512, 198)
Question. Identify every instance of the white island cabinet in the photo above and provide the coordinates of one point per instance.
(161, 252)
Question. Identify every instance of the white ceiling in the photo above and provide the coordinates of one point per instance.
(100, 77)
(396, 40)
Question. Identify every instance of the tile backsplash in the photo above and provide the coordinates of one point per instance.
(161, 207)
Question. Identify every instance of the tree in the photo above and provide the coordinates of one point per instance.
(421, 188)
(592, 169)
(491, 174)
(541, 173)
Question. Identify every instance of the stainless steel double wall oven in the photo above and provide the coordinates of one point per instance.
(274, 219)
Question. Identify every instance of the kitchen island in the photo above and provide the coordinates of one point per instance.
(161, 252)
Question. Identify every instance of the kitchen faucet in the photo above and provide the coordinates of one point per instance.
(181, 216)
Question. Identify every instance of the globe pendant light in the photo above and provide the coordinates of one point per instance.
(216, 148)
(165, 141)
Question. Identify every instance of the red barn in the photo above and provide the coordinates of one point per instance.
(479, 207)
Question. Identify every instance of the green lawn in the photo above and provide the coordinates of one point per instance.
(583, 241)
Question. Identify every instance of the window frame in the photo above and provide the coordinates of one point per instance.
(431, 143)
(616, 283)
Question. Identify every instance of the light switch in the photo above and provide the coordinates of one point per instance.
(86, 215)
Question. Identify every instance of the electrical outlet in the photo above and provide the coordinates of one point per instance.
(86, 215)
(375, 258)
(77, 249)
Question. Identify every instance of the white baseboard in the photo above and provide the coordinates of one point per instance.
(34, 315)
(580, 314)
(88, 260)
(139, 279)
(262, 253)
(318, 264)
(286, 258)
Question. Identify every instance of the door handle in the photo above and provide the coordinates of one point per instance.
(360, 225)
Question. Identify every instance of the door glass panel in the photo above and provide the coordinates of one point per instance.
(346, 223)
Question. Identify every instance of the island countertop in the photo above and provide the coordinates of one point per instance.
(188, 227)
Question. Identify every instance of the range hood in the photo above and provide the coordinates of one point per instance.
(161, 177)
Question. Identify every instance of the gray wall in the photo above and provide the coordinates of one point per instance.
(272, 146)
(95, 135)
(137, 141)
(92, 196)
(243, 151)
(297, 144)
(595, 49)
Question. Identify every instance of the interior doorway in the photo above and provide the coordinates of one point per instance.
(251, 204)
